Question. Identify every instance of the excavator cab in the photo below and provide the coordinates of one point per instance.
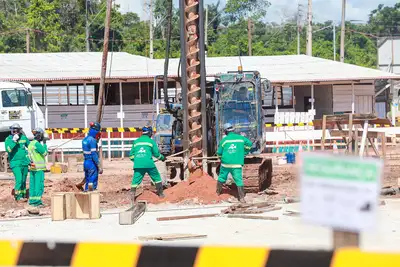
(238, 101)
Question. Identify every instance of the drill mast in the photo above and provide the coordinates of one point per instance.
(193, 83)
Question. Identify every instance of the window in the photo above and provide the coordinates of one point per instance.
(284, 97)
(14, 98)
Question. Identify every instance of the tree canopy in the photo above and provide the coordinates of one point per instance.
(59, 26)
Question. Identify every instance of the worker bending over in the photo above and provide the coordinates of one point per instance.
(37, 153)
(143, 150)
(232, 149)
(91, 164)
(16, 146)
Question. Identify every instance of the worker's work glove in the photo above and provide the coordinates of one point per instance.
(163, 159)
(16, 137)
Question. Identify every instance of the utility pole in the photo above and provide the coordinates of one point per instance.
(206, 32)
(249, 27)
(334, 40)
(87, 27)
(298, 28)
(104, 62)
(27, 40)
(309, 29)
(342, 33)
(151, 30)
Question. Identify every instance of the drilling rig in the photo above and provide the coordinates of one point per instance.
(206, 108)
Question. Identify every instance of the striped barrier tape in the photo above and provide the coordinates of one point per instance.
(288, 124)
(19, 253)
(85, 130)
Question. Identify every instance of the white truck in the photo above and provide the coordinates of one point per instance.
(17, 106)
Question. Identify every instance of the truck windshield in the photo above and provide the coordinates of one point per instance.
(164, 122)
(14, 98)
(238, 107)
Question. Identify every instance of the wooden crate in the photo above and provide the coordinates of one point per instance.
(82, 205)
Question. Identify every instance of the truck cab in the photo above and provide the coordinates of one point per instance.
(238, 101)
(17, 106)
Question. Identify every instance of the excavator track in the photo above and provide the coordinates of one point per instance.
(257, 174)
(193, 80)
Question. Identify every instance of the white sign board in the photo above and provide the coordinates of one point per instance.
(121, 115)
(340, 191)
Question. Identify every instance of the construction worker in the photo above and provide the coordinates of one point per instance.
(143, 150)
(91, 164)
(232, 149)
(16, 146)
(37, 153)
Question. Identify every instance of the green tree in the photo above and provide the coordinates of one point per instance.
(42, 16)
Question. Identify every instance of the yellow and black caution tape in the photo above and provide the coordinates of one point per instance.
(288, 124)
(19, 253)
(85, 130)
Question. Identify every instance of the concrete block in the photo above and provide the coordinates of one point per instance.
(131, 215)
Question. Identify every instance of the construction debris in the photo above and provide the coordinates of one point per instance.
(390, 191)
(170, 237)
(292, 213)
(187, 217)
(256, 208)
(131, 215)
(253, 217)
(269, 192)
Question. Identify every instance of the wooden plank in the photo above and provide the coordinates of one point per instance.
(70, 205)
(323, 132)
(237, 216)
(345, 239)
(187, 217)
(383, 144)
(170, 237)
(94, 205)
(82, 210)
(57, 207)
(341, 133)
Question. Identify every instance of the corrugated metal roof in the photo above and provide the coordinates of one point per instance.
(87, 65)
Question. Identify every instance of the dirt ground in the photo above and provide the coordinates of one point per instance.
(114, 186)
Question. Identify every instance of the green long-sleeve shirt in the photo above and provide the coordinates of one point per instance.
(232, 149)
(143, 150)
(17, 151)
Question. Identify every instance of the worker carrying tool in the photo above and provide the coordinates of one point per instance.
(37, 153)
(91, 164)
(16, 145)
(143, 150)
(232, 149)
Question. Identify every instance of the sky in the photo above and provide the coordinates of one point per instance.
(280, 9)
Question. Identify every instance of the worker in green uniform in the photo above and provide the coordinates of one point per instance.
(37, 153)
(232, 149)
(143, 150)
(16, 146)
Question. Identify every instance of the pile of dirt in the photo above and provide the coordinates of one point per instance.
(65, 185)
(198, 190)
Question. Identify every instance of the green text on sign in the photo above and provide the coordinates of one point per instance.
(340, 169)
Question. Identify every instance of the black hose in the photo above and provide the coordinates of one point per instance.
(167, 52)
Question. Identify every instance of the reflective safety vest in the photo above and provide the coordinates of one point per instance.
(37, 154)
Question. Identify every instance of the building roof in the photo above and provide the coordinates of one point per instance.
(87, 65)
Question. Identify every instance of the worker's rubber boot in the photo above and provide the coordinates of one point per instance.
(133, 196)
(219, 188)
(90, 187)
(241, 194)
(160, 190)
